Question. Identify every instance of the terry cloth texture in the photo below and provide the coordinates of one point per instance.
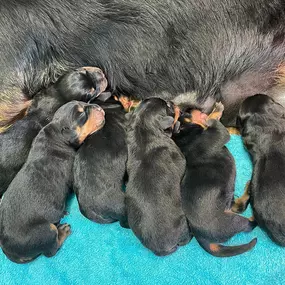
(109, 254)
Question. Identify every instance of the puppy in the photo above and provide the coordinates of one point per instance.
(155, 168)
(35, 200)
(100, 168)
(207, 189)
(262, 123)
(15, 143)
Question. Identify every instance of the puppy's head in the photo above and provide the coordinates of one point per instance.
(155, 113)
(260, 110)
(82, 84)
(77, 120)
(193, 117)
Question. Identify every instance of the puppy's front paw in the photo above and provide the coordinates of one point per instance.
(219, 107)
(217, 112)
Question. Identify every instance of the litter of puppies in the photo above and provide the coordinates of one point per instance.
(178, 173)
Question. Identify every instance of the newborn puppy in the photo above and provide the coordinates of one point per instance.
(35, 200)
(15, 143)
(100, 167)
(155, 168)
(207, 189)
(262, 123)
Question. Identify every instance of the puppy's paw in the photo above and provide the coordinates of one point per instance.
(219, 107)
(217, 112)
(64, 231)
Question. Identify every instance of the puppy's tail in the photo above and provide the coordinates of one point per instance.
(226, 251)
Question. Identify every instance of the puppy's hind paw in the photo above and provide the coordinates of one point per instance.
(64, 231)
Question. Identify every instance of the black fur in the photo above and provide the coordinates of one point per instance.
(262, 123)
(100, 168)
(16, 141)
(224, 49)
(35, 200)
(207, 189)
(155, 168)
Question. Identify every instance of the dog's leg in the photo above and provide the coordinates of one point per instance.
(241, 203)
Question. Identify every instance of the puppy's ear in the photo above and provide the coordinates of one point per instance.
(166, 122)
(70, 136)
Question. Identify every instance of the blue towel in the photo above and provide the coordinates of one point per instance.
(109, 254)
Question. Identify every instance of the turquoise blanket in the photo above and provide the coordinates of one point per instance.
(109, 254)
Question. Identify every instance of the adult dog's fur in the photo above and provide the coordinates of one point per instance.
(207, 188)
(225, 49)
(262, 126)
(100, 168)
(34, 202)
(16, 141)
(155, 168)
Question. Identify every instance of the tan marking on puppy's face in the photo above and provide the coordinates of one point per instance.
(95, 121)
(197, 118)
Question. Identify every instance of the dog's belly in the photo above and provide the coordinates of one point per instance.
(224, 49)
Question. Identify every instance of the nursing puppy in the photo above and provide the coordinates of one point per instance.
(35, 200)
(262, 123)
(15, 143)
(207, 189)
(100, 168)
(155, 168)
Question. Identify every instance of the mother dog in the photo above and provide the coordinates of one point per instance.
(221, 49)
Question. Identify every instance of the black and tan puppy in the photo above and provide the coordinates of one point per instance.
(100, 168)
(155, 168)
(262, 123)
(35, 200)
(207, 189)
(15, 143)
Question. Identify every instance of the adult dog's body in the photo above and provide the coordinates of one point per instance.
(226, 49)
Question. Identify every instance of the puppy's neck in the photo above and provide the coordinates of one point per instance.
(52, 137)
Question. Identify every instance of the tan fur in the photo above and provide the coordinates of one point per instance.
(214, 247)
(233, 131)
(92, 125)
(13, 106)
